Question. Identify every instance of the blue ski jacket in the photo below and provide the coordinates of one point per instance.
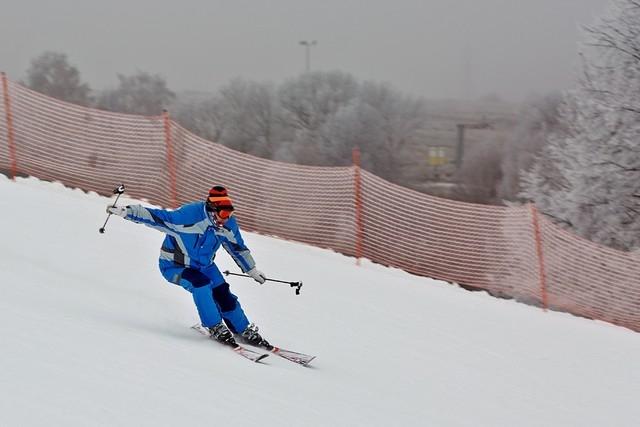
(192, 236)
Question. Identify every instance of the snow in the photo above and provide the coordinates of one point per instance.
(92, 335)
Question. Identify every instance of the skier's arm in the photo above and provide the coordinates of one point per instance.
(234, 245)
(160, 219)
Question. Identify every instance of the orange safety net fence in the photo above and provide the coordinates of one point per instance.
(508, 251)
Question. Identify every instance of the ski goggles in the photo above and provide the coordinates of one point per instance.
(221, 206)
(224, 213)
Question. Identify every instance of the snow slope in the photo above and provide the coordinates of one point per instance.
(91, 335)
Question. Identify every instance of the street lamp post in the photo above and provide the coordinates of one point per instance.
(307, 48)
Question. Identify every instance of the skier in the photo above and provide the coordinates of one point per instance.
(194, 232)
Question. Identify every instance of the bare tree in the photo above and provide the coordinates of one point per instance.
(395, 122)
(51, 74)
(308, 103)
(330, 113)
(316, 118)
(350, 126)
(252, 120)
(203, 117)
(141, 93)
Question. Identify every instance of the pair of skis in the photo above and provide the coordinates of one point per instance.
(292, 356)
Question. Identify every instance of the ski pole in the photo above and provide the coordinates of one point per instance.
(118, 190)
(296, 285)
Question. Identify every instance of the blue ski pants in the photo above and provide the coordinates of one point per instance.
(211, 294)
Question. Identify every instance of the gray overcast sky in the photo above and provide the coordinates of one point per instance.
(431, 48)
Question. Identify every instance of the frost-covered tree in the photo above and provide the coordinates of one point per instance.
(394, 122)
(203, 117)
(141, 93)
(379, 120)
(308, 102)
(316, 118)
(251, 116)
(353, 125)
(51, 74)
(588, 175)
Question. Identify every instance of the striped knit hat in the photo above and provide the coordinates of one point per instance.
(219, 201)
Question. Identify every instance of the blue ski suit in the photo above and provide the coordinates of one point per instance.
(187, 258)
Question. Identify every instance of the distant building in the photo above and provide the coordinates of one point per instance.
(439, 144)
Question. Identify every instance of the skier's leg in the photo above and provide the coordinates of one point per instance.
(200, 287)
(232, 311)
(171, 272)
(207, 308)
(228, 303)
(230, 308)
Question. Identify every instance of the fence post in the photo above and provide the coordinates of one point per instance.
(171, 162)
(357, 187)
(540, 255)
(9, 118)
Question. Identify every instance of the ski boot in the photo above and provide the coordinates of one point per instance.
(251, 336)
(222, 334)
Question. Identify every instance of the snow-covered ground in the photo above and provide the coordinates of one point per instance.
(91, 335)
